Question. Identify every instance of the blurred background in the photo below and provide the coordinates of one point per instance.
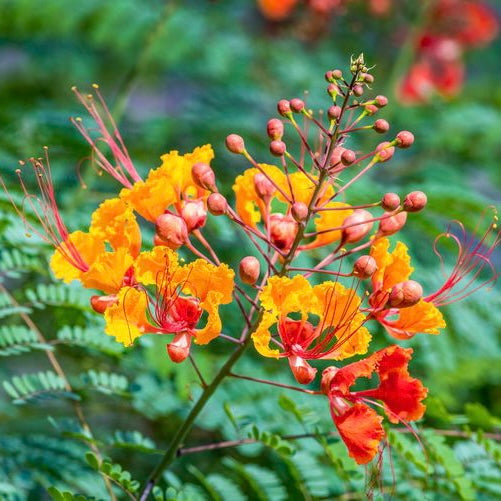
(179, 74)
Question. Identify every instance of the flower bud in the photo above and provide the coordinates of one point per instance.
(264, 187)
(390, 202)
(299, 211)
(327, 376)
(334, 112)
(381, 126)
(275, 128)
(384, 151)
(367, 78)
(249, 270)
(381, 101)
(405, 139)
(355, 227)
(277, 148)
(348, 157)
(179, 349)
(172, 230)
(364, 267)
(100, 303)
(328, 76)
(284, 108)
(302, 370)
(405, 294)
(203, 176)
(283, 231)
(297, 105)
(371, 109)
(415, 201)
(333, 90)
(337, 74)
(336, 155)
(217, 204)
(235, 144)
(390, 225)
(358, 90)
(194, 214)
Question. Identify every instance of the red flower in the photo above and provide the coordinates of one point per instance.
(358, 424)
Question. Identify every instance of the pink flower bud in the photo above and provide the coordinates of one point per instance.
(337, 74)
(358, 90)
(100, 303)
(348, 157)
(364, 267)
(277, 148)
(179, 349)
(355, 226)
(284, 107)
(172, 230)
(405, 294)
(381, 101)
(390, 225)
(332, 90)
(328, 76)
(336, 155)
(217, 204)
(235, 144)
(367, 77)
(405, 139)
(249, 270)
(275, 128)
(371, 109)
(390, 202)
(334, 112)
(264, 187)
(302, 370)
(415, 201)
(297, 105)
(194, 214)
(283, 231)
(327, 376)
(381, 126)
(299, 211)
(203, 176)
(384, 151)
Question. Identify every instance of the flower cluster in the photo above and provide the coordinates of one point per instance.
(451, 28)
(294, 206)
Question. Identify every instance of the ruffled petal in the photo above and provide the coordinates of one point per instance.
(285, 295)
(203, 278)
(159, 265)
(126, 319)
(262, 336)
(361, 430)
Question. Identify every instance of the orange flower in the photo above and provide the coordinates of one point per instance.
(338, 334)
(358, 424)
(276, 10)
(182, 294)
(394, 268)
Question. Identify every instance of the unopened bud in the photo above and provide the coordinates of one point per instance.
(235, 144)
(390, 225)
(283, 231)
(249, 270)
(337, 152)
(100, 303)
(172, 230)
(217, 204)
(275, 128)
(302, 370)
(284, 107)
(381, 101)
(327, 376)
(381, 126)
(390, 202)
(371, 109)
(348, 157)
(328, 76)
(194, 214)
(355, 226)
(203, 176)
(405, 139)
(334, 112)
(405, 294)
(415, 201)
(384, 151)
(337, 74)
(297, 105)
(364, 267)
(264, 187)
(367, 78)
(179, 349)
(358, 90)
(299, 211)
(277, 148)
(333, 90)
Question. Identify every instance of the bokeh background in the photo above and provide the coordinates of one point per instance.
(180, 74)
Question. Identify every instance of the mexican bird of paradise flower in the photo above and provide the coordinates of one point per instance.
(359, 425)
(338, 334)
